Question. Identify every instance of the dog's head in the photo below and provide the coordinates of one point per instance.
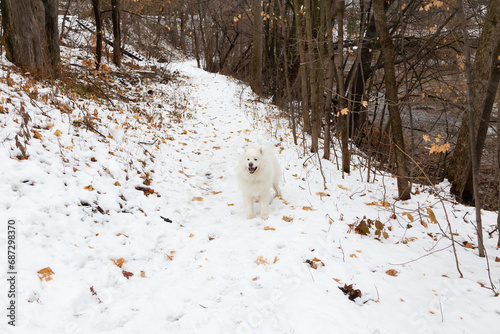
(253, 159)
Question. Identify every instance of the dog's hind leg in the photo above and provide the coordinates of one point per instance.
(277, 190)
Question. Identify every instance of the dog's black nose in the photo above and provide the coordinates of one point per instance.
(250, 164)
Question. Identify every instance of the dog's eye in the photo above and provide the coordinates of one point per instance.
(255, 159)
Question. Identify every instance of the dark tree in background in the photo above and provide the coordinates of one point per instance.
(31, 35)
(115, 8)
(96, 6)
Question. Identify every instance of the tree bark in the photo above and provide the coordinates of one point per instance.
(468, 192)
(472, 131)
(303, 66)
(256, 65)
(482, 82)
(96, 5)
(312, 63)
(31, 35)
(343, 118)
(115, 15)
(330, 73)
(387, 49)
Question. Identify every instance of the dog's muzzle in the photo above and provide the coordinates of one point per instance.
(252, 169)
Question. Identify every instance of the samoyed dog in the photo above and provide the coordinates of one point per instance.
(258, 170)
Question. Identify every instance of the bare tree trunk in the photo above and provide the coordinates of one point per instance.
(343, 117)
(330, 73)
(31, 35)
(472, 132)
(66, 11)
(117, 51)
(468, 192)
(256, 64)
(312, 62)
(498, 170)
(481, 83)
(387, 49)
(96, 6)
(303, 66)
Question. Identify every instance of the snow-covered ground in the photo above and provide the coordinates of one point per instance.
(144, 231)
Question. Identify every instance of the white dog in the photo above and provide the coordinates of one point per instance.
(258, 170)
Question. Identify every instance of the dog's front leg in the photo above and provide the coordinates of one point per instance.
(264, 205)
(248, 200)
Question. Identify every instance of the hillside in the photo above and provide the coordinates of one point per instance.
(128, 219)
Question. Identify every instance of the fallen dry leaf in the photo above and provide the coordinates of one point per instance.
(269, 228)
(261, 260)
(381, 203)
(119, 262)
(197, 199)
(287, 219)
(127, 274)
(45, 273)
(57, 133)
(392, 272)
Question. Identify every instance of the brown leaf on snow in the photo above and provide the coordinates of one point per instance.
(392, 272)
(261, 260)
(45, 273)
(468, 245)
(197, 199)
(381, 203)
(119, 262)
(269, 228)
(57, 133)
(127, 274)
(497, 259)
(350, 291)
(37, 135)
(307, 208)
(147, 191)
(342, 187)
(287, 219)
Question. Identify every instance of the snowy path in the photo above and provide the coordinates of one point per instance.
(203, 267)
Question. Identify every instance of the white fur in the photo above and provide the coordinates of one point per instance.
(256, 186)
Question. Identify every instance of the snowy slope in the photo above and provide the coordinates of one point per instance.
(157, 196)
